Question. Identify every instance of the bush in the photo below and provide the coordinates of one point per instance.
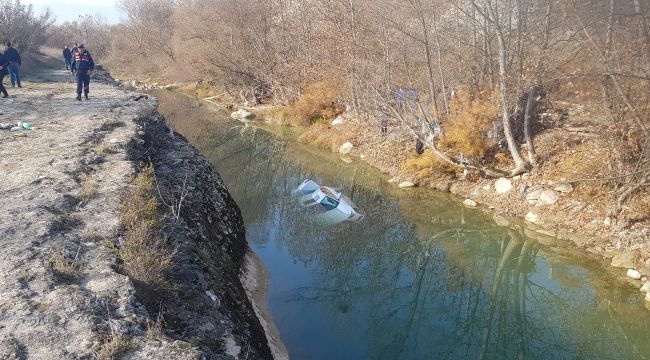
(317, 101)
(428, 165)
(470, 118)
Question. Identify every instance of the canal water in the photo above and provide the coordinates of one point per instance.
(420, 277)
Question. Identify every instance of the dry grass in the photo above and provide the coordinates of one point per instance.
(318, 101)
(104, 149)
(89, 188)
(147, 255)
(427, 166)
(470, 118)
(155, 329)
(329, 137)
(62, 266)
(114, 346)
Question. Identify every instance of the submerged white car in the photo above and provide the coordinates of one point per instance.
(332, 204)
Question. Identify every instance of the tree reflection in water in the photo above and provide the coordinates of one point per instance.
(420, 277)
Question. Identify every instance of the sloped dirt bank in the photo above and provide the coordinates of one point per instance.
(64, 294)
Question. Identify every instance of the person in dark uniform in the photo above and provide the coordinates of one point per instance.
(83, 64)
(14, 64)
(67, 57)
(4, 64)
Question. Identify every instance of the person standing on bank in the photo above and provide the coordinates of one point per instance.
(4, 64)
(82, 64)
(67, 57)
(14, 64)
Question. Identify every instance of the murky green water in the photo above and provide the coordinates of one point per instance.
(421, 277)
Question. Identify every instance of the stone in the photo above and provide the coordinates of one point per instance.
(646, 287)
(534, 195)
(633, 274)
(607, 221)
(337, 121)
(624, 260)
(549, 197)
(346, 148)
(501, 221)
(487, 187)
(141, 133)
(647, 299)
(393, 180)
(406, 185)
(242, 114)
(534, 217)
(16, 128)
(523, 188)
(563, 188)
(470, 203)
(503, 186)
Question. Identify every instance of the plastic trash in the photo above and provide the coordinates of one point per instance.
(26, 126)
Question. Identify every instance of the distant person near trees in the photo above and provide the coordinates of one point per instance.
(14, 64)
(83, 64)
(4, 64)
(67, 57)
(73, 52)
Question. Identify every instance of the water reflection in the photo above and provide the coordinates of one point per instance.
(419, 278)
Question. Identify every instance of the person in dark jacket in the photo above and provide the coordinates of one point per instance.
(67, 57)
(82, 64)
(14, 64)
(4, 64)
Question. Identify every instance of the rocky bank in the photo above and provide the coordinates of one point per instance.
(64, 294)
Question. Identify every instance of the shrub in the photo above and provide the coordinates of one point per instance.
(427, 165)
(317, 101)
(470, 118)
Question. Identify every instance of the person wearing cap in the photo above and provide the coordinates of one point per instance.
(82, 64)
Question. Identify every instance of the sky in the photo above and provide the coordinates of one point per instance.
(69, 10)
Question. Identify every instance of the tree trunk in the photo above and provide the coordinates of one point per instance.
(520, 163)
(530, 107)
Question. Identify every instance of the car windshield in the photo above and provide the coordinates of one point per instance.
(329, 203)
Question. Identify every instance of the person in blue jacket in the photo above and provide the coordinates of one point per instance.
(83, 64)
(4, 64)
(14, 64)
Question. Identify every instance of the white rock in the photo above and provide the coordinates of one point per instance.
(549, 197)
(470, 203)
(406, 185)
(534, 195)
(633, 274)
(503, 186)
(623, 260)
(393, 180)
(647, 297)
(646, 287)
(501, 221)
(213, 297)
(534, 217)
(113, 141)
(242, 114)
(346, 148)
(141, 133)
(337, 121)
(563, 188)
(487, 187)
(607, 221)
